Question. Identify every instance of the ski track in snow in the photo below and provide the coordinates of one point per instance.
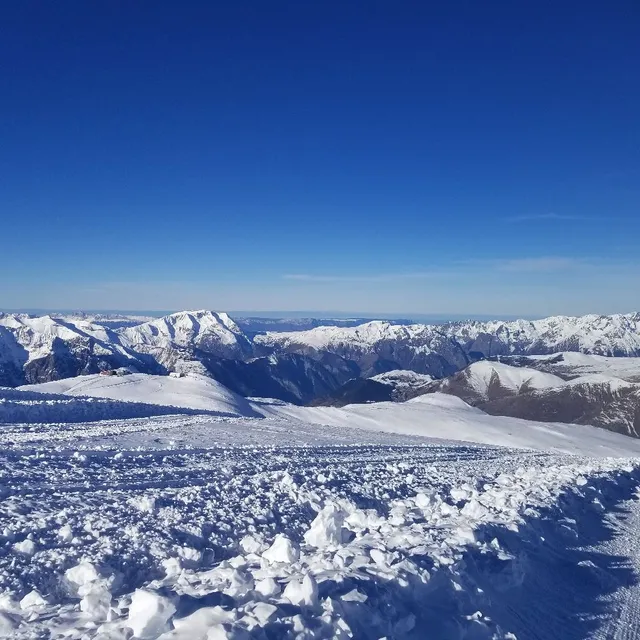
(145, 527)
(624, 544)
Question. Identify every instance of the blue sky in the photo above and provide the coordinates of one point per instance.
(405, 157)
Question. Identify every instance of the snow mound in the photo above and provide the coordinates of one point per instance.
(31, 407)
(192, 391)
(444, 416)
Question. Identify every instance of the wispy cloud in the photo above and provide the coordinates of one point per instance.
(542, 264)
(464, 269)
(539, 264)
(547, 217)
(380, 277)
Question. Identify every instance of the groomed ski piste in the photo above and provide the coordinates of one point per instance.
(193, 514)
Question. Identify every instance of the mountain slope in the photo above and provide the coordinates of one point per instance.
(289, 377)
(483, 381)
(38, 349)
(396, 386)
(572, 365)
(503, 390)
(296, 366)
(608, 403)
(376, 347)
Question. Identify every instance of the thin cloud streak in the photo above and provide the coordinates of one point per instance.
(547, 217)
(384, 277)
(542, 264)
(532, 265)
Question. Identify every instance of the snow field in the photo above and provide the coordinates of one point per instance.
(192, 391)
(28, 407)
(312, 542)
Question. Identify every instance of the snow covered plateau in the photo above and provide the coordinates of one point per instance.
(177, 507)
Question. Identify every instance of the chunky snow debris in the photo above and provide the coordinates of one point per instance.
(149, 613)
(342, 541)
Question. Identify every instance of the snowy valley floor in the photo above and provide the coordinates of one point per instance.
(187, 527)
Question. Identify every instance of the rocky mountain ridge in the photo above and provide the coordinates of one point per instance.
(296, 366)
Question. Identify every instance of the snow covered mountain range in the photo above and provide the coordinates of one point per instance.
(294, 366)
(441, 350)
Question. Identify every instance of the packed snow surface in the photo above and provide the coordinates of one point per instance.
(444, 416)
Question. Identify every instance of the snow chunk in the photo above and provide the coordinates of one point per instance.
(7, 624)
(267, 587)
(282, 550)
(199, 622)
(326, 529)
(251, 544)
(145, 504)
(96, 602)
(227, 632)
(304, 593)
(263, 612)
(80, 576)
(149, 613)
(65, 533)
(26, 547)
(32, 600)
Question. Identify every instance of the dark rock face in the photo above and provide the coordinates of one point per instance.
(356, 391)
(67, 360)
(596, 405)
(291, 377)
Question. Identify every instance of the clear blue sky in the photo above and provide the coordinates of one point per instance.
(452, 157)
